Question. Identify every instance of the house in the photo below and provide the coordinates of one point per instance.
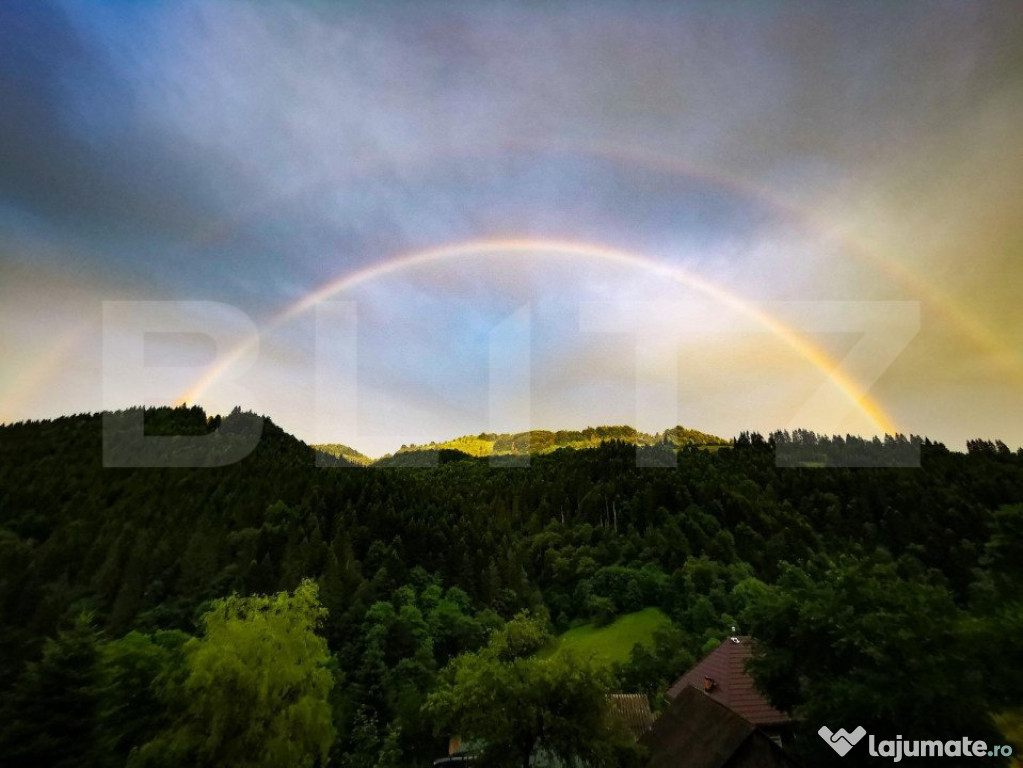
(718, 719)
(722, 676)
(697, 731)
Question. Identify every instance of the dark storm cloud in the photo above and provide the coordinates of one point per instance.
(121, 175)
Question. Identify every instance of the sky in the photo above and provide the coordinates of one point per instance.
(390, 223)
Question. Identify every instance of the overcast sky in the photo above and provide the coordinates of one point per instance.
(711, 175)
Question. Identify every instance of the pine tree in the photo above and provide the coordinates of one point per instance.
(50, 716)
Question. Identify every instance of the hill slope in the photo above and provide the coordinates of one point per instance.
(339, 451)
(541, 441)
(414, 567)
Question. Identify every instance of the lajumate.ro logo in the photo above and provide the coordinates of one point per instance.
(842, 741)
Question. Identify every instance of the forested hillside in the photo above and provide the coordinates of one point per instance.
(539, 441)
(885, 597)
(344, 452)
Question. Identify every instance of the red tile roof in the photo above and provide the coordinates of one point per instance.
(722, 676)
(632, 710)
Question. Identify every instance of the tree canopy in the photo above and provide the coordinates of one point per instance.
(256, 690)
(282, 600)
(519, 704)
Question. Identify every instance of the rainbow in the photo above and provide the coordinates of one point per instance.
(503, 247)
(39, 371)
(940, 302)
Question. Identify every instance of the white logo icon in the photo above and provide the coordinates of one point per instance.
(841, 740)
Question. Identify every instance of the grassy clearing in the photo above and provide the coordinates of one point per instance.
(610, 644)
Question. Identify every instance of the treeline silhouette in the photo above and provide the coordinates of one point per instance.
(417, 566)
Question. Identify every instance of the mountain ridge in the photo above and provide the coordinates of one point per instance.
(541, 441)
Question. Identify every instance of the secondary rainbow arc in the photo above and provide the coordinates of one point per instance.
(938, 300)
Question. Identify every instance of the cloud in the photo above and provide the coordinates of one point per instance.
(247, 153)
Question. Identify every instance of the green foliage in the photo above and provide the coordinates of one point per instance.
(473, 446)
(370, 744)
(611, 644)
(652, 667)
(681, 437)
(870, 641)
(138, 675)
(49, 718)
(541, 441)
(1003, 554)
(419, 566)
(256, 689)
(403, 642)
(523, 705)
(338, 451)
(522, 636)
